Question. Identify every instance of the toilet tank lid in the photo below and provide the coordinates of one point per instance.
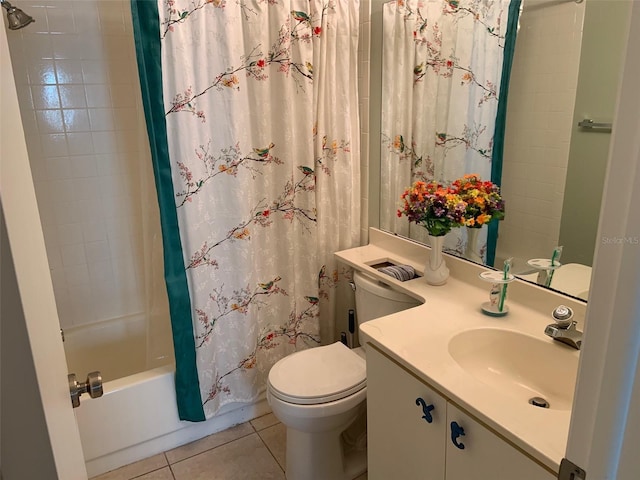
(330, 371)
(380, 289)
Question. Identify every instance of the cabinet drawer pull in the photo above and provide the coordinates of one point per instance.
(456, 432)
(426, 409)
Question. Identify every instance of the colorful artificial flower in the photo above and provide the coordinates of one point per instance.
(483, 201)
(434, 206)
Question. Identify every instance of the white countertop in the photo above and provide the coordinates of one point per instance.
(418, 339)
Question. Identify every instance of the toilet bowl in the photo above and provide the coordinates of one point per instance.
(319, 395)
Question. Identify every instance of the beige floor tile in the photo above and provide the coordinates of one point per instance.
(275, 438)
(207, 443)
(162, 474)
(135, 469)
(264, 421)
(244, 459)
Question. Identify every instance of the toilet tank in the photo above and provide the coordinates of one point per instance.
(375, 299)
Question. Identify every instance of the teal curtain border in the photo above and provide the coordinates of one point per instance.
(146, 26)
(501, 119)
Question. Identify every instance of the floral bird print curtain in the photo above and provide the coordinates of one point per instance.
(442, 66)
(260, 104)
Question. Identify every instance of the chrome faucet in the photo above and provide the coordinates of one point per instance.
(564, 329)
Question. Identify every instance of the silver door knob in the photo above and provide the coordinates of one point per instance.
(92, 385)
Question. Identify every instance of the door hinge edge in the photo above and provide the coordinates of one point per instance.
(571, 471)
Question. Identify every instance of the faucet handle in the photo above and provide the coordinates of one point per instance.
(563, 316)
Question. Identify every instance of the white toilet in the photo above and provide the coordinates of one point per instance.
(319, 393)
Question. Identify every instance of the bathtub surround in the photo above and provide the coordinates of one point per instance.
(441, 84)
(259, 174)
(150, 426)
(84, 126)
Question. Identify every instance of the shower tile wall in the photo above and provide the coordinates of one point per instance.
(364, 56)
(539, 122)
(79, 98)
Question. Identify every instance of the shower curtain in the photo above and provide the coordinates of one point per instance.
(442, 77)
(252, 117)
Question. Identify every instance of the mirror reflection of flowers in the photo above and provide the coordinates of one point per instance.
(483, 201)
(434, 206)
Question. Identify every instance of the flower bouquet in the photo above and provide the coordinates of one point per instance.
(434, 206)
(438, 209)
(483, 201)
(483, 205)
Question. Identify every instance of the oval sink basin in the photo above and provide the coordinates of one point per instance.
(518, 364)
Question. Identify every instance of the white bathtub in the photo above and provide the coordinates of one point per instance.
(137, 415)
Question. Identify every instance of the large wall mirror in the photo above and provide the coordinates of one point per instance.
(561, 102)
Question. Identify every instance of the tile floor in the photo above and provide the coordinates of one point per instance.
(250, 451)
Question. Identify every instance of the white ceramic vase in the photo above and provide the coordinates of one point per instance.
(471, 251)
(436, 271)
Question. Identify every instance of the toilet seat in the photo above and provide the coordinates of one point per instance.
(318, 375)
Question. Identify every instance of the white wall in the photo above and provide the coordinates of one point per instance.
(364, 57)
(603, 45)
(539, 123)
(79, 97)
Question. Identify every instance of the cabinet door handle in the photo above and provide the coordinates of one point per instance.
(426, 409)
(456, 432)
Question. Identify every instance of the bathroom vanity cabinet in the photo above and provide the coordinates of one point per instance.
(411, 433)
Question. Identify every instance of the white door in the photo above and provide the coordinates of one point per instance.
(34, 313)
(605, 419)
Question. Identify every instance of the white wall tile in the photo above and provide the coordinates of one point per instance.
(102, 119)
(94, 71)
(76, 120)
(58, 167)
(122, 96)
(72, 67)
(70, 234)
(80, 143)
(98, 251)
(58, 18)
(98, 96)
(42, 72)
(66, 45)
(83, 166)
(68, 71)
(72, 96)
(45, 96)
(73, 255)
(539, 113)
(49, 121)
(82, 307)
(111, 18)
(364, 55)
(94, 231)
(54, 144)
(37, 45)
(104, 142)
(85, 15)
(77, 275)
